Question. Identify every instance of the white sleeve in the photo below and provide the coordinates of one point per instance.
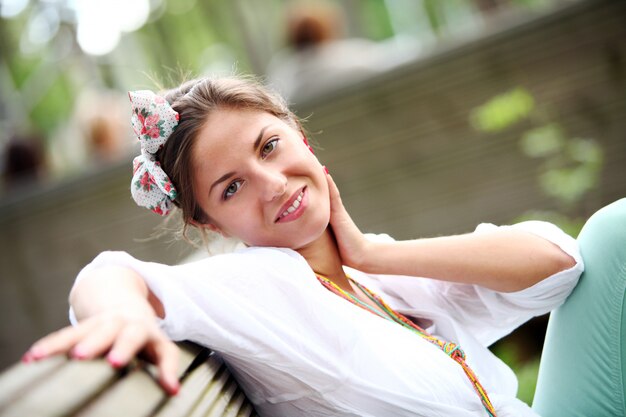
(490, 315)
(212, 301)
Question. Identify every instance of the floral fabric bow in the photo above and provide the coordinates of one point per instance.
(153, 121)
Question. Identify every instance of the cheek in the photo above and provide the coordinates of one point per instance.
(325, 210)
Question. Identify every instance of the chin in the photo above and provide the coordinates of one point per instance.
(308, 237)
(295, 241)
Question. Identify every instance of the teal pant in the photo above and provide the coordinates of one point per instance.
(583, 364)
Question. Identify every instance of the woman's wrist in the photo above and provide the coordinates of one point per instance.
(369, 257)
(112, 289)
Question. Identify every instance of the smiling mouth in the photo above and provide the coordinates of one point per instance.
(293, 207)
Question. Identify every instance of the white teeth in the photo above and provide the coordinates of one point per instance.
(294, 206)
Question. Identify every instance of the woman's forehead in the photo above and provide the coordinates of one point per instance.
(229, 127)
(229, 135)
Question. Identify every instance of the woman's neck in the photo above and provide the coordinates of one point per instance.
(323, 257)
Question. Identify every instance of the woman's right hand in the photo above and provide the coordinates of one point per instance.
(121, 335)
(353, 246)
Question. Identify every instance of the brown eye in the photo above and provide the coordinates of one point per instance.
(269, 147)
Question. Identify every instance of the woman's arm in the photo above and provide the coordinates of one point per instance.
(117, 315)
(110, 288)
(503, 260)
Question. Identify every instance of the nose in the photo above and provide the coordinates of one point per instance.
(273, 184)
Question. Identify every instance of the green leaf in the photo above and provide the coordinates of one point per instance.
(503, 111)
(542, 141)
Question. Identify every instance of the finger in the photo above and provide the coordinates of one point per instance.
(98, 340)
(132, 339)
(335, 197)
(167, 361)
(339, 216)
(57, 342)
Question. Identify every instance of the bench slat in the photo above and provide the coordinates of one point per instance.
(60, 387)
(247, 411)
(235, 406)
(65, 391)
(21, 377)
(139, 393)
(216, 397)
(191, 388)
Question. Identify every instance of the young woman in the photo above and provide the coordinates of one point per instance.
(313, 317)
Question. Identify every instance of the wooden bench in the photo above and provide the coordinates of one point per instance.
(61, 387)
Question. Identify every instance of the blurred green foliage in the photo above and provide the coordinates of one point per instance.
(569, 168)
(571, 165)
(55, 106)
(526, 371)
(570, 225)
(503, 111)
(376, 20)
(199, 36)
(543, 141)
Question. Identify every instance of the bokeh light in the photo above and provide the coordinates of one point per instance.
(12, 8)
(101, 24)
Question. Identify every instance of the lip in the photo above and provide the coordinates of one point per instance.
(297, 212)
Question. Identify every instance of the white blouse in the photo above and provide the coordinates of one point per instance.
(299, 350)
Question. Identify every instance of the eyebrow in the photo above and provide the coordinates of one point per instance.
(257, 142)
(224, 177)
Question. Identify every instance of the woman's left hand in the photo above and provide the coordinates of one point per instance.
(353, 246)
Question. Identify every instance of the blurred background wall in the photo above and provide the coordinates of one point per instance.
(432, 117)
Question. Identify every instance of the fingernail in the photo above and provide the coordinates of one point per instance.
(325, 169)
(36, 353)
(27, 358)
(114, 360)
(78, 353)
(173, 386)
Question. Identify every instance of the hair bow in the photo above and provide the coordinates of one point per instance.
(153, 121)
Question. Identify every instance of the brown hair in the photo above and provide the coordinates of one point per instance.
(194, 101)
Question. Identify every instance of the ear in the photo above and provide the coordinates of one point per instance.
(306, 141)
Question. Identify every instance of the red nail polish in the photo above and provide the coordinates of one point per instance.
(36, 353)
(27, 358)
(171, 386)
(325, 169)
(114, 361)
(77, 353)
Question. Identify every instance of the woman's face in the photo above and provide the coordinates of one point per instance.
(257, 180)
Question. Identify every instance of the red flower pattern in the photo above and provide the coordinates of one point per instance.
(147, 181)
(154, 132)
(136, 165)
(153, 120)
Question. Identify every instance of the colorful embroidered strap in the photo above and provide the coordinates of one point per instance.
(451, 349)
